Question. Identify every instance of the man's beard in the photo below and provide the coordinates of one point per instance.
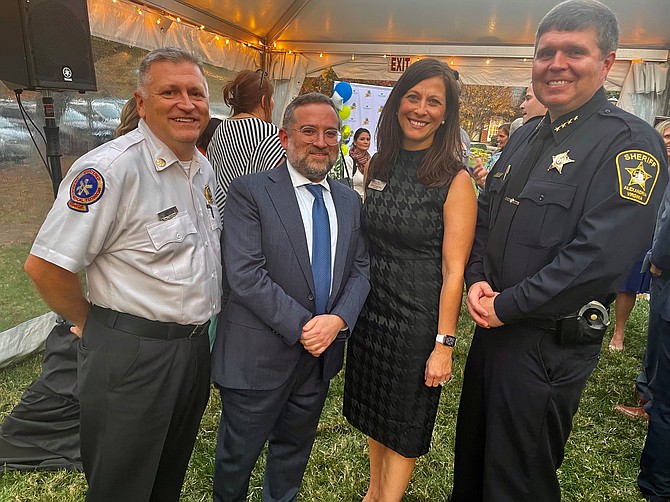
(312, 170)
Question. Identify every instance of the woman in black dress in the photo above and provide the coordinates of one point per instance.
(419, 219)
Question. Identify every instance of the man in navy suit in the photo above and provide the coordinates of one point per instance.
(298, 274)
(654, 477)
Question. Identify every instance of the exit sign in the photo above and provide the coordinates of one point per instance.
(399, 64)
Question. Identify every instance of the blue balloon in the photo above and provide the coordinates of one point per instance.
(344, 90)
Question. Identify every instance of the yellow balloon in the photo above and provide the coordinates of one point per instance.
(345, 149)
(345, 112)
(346, 130)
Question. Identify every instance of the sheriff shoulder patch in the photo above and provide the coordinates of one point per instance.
(86, 189)
(637, 171)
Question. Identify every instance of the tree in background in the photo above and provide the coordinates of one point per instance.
(481, 103)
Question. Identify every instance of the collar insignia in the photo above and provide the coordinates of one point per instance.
(566, 123)
(637, 171)
(208, 195)
(160, 162)
(559, 161)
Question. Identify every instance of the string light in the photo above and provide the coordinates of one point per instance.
(165, 19)
(321, 55)
(353, 58)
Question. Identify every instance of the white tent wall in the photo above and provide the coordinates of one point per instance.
(120, 22)
(644, 92)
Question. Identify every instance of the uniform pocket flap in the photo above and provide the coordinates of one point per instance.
(543, 192)
(174, 230)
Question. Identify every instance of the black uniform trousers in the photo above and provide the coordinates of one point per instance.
(521, 389)
(287, 417)
(141, 403)
(654, 477)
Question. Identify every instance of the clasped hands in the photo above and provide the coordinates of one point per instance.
(320, 331)
(480, 305)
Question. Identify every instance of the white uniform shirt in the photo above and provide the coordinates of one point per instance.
(146, 234)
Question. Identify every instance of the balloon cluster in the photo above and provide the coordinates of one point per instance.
(342, 94)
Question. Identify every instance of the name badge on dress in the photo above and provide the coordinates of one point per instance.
(378, 185)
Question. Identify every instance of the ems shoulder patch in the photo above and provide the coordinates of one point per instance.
(86, 189)
(637, 171)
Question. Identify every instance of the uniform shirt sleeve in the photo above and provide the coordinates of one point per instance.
(474, 272)
(74, 233)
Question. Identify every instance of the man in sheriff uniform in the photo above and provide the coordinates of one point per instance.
(568, 207)
(137, 214)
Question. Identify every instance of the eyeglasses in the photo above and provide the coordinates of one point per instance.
(263, 74)
(310, 134)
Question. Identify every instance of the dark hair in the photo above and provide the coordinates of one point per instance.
(307, 99)
(169, 55)
(360, 131)
(444, 157)
(582, 15)
(245, 91)
(206, 135)
(505, 128)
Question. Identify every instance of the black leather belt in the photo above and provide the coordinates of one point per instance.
(145, 327)
(540, 323)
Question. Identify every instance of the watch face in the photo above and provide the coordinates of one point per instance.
(448, 340)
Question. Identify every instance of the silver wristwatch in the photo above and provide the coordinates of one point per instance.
(448, 340)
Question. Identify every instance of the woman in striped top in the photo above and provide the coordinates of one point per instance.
(246, 142)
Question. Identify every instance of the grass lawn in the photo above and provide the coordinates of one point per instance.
(602, 455)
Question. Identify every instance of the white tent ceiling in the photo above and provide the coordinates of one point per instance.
(488, 41)
(449, 28)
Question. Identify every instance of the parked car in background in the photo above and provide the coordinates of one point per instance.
(15, 142)
(88, 123)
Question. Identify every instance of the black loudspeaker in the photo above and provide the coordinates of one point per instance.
(47, 45)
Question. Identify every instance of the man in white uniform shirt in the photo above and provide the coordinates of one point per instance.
(137, 214)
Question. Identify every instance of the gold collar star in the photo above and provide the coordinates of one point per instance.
(559, 161)
(638, 176)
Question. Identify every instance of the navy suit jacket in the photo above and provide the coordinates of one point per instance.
(269, 274)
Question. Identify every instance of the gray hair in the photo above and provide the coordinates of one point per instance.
(307, 99)
(582, 15)
(169, 55)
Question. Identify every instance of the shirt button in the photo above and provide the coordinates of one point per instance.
(541, 197)
(178, 236)
(310, 297)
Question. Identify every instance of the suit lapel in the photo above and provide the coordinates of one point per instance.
(282, 194)
(344, 218)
